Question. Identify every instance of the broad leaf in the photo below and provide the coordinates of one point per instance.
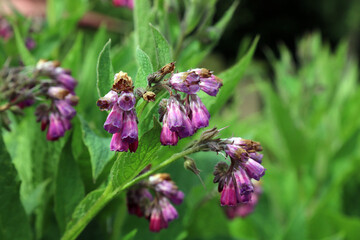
(80, 211)
(128, 165)
(69, 188)
(14, 223)
(145, 68)
(163, 49)
(142, 18)
(24, 52)
(98, 148)
(104, 70)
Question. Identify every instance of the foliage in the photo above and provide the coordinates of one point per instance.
(75, 187)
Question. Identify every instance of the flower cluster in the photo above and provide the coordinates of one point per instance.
(244, 209)
(122, 120)
(156, 207)
(183, 117)
(235, 180)
(6, 32)
(59, 88)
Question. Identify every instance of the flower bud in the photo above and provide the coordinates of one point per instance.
(58, 92)
(122, 82)
(149, 96)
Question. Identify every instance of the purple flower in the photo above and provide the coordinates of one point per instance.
(168, 211)
(244, 209)
(187, 82)
(254, 169)
(5, 29)
(67, 80)
(26, 103)
(177, 119)
(130, 130)
(234, 184)
(209, 83)
(126, 101)
(57, 92)
(163, 184)
(66, 123)
(114, 121)
(256, 156)
(108, 101)
(136, 200)
(56, 127)
(157, 220)
(30, 43)
(124, 3)
(167, 137)
(65, 109)
(117, 144)
(237, 152)
(72, 99)
(159, 209)
(199, 115)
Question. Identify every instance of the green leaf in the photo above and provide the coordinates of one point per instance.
(72, 59)
(80, 213)
(24, 52)
(145, 68)
(130, 235)
(163, 49)
(128, 165)
(14, 223)
(35, 198)
(69, 188)
(231, 78)
(104, 70)
(98, 148)
(142, 18)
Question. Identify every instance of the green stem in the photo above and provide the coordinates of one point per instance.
(110, 193)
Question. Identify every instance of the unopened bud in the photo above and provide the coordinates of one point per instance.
(168, 68)
(149, 96)
(209, 134)
(122, 82)
(189, 164)
(57, 92)
(5, 121)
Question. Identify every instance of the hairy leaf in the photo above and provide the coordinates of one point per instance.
(69, 188)
(14, 223)
(104, 70)
(145, 68)
(163, 49)
(98, 148)
(128, 165)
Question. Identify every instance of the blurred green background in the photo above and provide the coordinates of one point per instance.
(299, 97)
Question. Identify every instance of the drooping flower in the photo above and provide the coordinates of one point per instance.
(209, 83)
(65, 109)
(108, 101)
(244, 209)
(122, 120)
(235, 180)
(177, 118)
(56, 127)
(199, 115)
(187, 82)
(168, 137)
(156, 208)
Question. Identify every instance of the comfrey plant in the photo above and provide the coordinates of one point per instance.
(47, 84)
(182, 115)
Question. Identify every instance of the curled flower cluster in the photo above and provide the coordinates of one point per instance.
(59, 88)
(156, 207)
(182, 118)
(122, 120)
(235, 180)
(244, 209)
